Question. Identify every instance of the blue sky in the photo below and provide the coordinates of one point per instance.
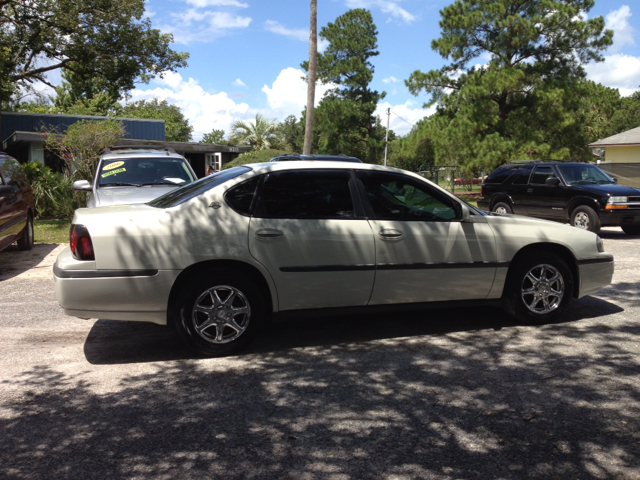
(246, 55)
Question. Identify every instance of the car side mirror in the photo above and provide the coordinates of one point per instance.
(462, 212)
(82, 186)
(6, 190)
(552, 181)
(615, 179)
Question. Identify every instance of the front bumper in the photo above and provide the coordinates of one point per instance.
(134, 295)
(595, 273)
(615, 218)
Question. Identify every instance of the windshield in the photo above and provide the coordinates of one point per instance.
(144, 171)
(583, 174)
(181, 195)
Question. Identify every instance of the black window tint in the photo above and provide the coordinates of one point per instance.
(183, 194)
(397, 197)
(500, 175)
(541, 174)
(240, 196)
(521, 176)
(13, 173)
(306, 194)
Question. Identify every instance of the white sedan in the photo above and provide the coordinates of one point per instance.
(216, 258)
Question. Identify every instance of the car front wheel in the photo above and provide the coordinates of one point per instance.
(218, 315)
(585, 218)
(26, 241)
(538, 289)
(502, 208)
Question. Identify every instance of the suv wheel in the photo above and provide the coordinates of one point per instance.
(585, 218)
(502, 208)
(631, 229)
(26, 241)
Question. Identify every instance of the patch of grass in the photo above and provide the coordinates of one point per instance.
(51, 231)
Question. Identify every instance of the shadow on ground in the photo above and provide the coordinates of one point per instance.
(13, 261)
(480, 398)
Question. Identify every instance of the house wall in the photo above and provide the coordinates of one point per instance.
(622, 154)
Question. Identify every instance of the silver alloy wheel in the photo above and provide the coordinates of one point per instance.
(581, 220)
(542, 289)
(501, 210)
(221, 314)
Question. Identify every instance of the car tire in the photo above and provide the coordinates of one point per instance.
(585, 218)
(538, 288)
(502, 208)
(631, 229)
(216, 315)
(25, 242)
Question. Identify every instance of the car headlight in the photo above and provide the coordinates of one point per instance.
(599, 244)
(618, 200)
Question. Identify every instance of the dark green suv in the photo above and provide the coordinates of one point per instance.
(577, 193)
(16, 205)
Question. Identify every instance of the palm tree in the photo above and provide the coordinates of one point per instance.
(261, 134)
(311, 80)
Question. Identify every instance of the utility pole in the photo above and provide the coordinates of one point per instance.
(311, 77)
(386, 137)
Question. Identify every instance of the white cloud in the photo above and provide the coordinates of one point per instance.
(238, 83)
(196, 25)
(288, 93)
(297, 33)
(391, 79)
(623, 32)
(216, 3)
(387, 6)
(403, 116)
(204, 110)
(617, 71)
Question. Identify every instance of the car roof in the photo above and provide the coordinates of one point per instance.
(543, 162)
(266, 167)
(137, 153)
(297, 156)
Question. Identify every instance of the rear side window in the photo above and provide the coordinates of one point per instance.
(500, 175)
(521, 176)
(541, 174)
(240, 197)
(306, 194)
(186, 193)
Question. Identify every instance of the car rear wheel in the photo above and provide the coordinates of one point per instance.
(26, 241)
(219, 314)
(502, 208)
(631, 229)
(585, 218)
(538, 288)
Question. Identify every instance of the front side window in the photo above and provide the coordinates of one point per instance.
(541, 174)
(316, 194)
(583, 174)
(397, 197)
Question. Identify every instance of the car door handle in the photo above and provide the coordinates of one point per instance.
(529, 190)
(390, 234)
(268, 234)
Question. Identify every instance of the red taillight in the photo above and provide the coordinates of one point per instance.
(81, 245)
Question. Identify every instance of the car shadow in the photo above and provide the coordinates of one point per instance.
(113, 342)
(14, 261)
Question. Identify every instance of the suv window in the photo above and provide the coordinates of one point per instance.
(500, 175)
(397, 197)
(13, 173)
(521, 176)
(306, 194)
(583, 174)
(541, 174)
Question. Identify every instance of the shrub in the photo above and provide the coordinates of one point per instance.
(53, 192)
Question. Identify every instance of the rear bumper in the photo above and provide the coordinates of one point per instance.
(595, 273)
(85, 292)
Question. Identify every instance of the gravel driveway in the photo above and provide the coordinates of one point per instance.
(442, 394)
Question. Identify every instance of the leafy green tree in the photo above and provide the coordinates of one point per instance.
(176, 126)
(524, 101)
(81, 144)
(415, 150)
(344, 120)
(293, 132)
(261, 134)
(626, 117)
(599, 105)
(105, 44)
(214, 136)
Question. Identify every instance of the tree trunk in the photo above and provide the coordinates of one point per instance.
(311, 78)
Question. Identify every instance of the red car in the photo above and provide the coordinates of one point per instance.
(467, 181)
(16, 205)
